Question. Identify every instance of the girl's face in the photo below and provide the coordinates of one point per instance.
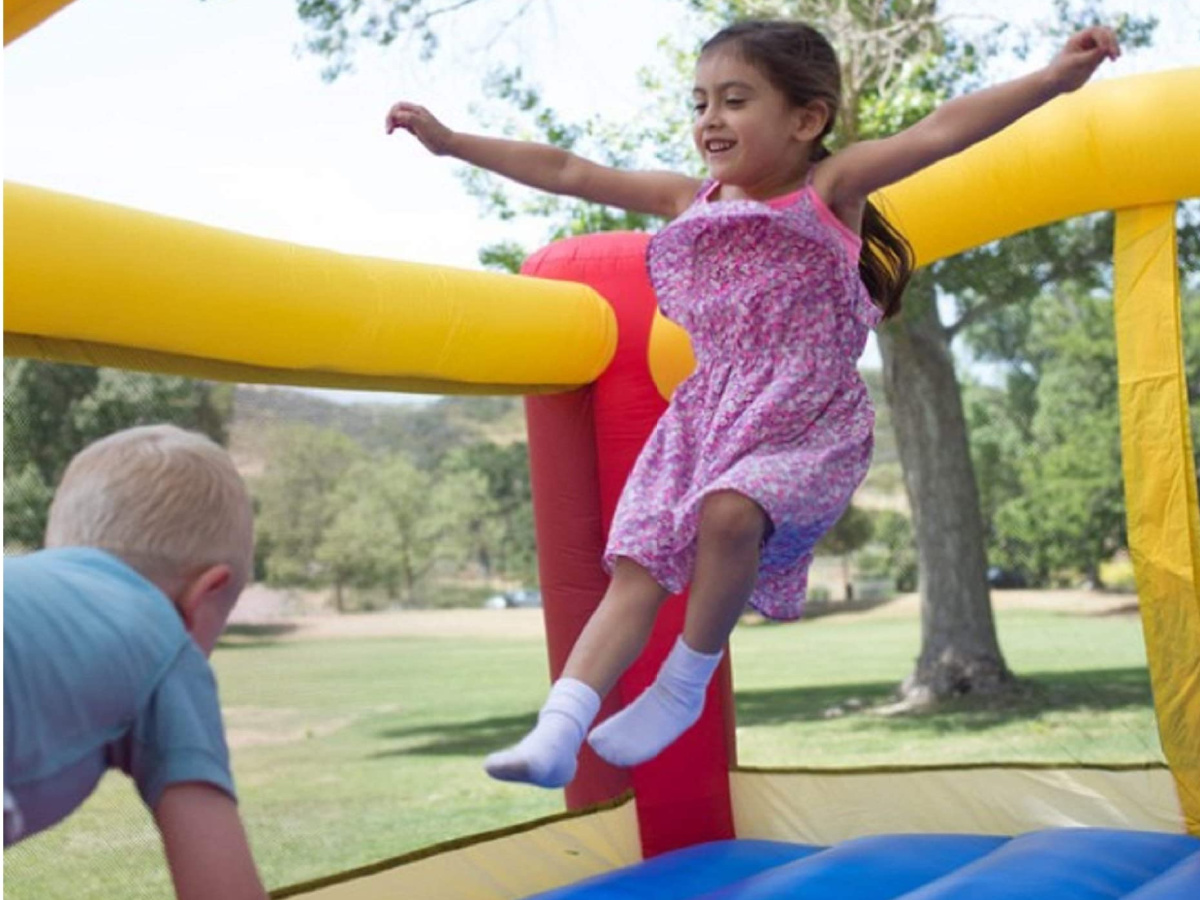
(750, 136)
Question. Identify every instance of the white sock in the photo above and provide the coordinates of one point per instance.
(547, 755)
(663, 712)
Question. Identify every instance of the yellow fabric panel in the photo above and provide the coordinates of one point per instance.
(505, 868)
(1160, 482)
(88, 272)
(21, 16)
(825, 808)
(1111, 145)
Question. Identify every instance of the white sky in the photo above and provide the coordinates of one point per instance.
(204, 110)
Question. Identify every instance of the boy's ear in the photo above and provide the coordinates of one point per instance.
(194, 600)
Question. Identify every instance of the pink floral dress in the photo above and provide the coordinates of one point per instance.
(775, 409)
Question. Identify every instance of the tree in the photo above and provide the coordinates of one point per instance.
(336, 27)
(893, 531)
(52, 411)
(351, 553)
(851, 533)
(295, 499)
(504, 528)
(394, 523)
(1065, 513)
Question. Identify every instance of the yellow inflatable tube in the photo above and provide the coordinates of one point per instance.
(1113, 145)
(101, 284)
(21, 16)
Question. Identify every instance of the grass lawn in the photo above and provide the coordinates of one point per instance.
(348, 751)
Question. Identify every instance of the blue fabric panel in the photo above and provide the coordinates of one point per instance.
(1065, 864)
(1181, 882)
(872, 868)
(1060, 864)
(685, 873)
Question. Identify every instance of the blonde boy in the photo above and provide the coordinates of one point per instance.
(106, 639)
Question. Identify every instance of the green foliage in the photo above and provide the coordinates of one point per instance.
(336, 26)
(893, 532)
(503, 256)
(52, 411)
(293, 495)
(389, 526)
(850, 533)
(382, 529)
(26, 505)
(1046, 445)
(502, 528)
(1048, 452)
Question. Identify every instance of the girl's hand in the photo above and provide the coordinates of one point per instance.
(419, 122)
(1084, 52)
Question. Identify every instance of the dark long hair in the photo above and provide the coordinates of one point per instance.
(800, 62)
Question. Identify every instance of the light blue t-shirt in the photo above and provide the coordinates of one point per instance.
(100, 673)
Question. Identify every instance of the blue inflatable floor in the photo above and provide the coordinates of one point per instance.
(1063, 864)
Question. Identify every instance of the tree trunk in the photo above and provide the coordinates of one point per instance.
(959, 650)
(339, 600)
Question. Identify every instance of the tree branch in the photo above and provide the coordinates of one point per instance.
(974, 314)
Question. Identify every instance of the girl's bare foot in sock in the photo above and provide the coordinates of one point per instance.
(547, 756)
(664, 711)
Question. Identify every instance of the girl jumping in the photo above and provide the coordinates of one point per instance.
(762, 447)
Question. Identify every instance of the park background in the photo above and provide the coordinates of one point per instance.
(363, 680)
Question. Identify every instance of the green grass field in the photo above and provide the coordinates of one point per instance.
(349, 751)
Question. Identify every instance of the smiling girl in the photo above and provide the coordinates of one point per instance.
(778, 266)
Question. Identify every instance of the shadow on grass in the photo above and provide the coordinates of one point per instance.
(474, 738)
(248, 636)
(1099, 690)
(1096, 690)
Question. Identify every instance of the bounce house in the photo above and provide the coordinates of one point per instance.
(580, 336)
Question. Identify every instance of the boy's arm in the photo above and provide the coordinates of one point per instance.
(206, 845)
(855, 172)
(550, 168)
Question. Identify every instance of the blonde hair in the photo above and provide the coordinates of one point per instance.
(169, 502)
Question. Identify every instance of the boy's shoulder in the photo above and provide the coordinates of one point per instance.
(85, 575)
(71, 563)
(99, 672)
(93, 614)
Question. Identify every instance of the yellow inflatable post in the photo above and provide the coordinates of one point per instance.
(1160, 482)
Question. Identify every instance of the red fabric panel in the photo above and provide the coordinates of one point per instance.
(683, 795)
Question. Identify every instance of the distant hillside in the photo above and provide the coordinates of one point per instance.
(424, 431)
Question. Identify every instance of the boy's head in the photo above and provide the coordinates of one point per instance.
(169, 503)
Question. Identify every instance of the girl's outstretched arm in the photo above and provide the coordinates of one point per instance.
(852, 174)
(549, 168)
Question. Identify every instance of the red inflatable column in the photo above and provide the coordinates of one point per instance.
(683, 794)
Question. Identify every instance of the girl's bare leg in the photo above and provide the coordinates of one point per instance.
(729, 545)
(618, 629)
(611, 640)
